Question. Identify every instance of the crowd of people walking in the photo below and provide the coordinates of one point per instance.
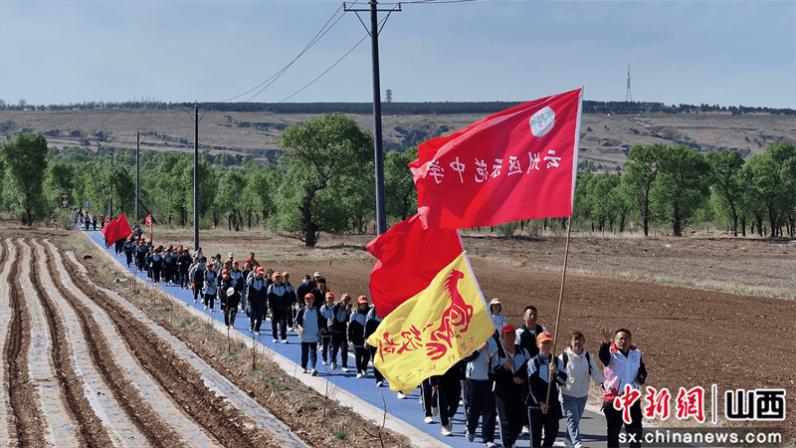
(504, 382)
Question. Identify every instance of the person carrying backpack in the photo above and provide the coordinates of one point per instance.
(579, 366)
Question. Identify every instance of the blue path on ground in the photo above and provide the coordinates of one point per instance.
(409, 409)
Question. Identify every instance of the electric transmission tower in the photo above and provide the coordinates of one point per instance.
(628, 97)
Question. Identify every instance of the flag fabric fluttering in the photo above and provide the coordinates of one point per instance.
(117, 229)
(432, 331)
(408, 260)
(148, 220)
(518, 164)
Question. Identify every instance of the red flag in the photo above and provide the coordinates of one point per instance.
(148, 220)
(107, 218)
(117, 229)
(520, 163)
(408, 260)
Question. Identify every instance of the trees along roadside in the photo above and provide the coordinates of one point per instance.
(24, 165)
(318, 154)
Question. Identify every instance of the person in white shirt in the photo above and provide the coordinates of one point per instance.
(580, 366)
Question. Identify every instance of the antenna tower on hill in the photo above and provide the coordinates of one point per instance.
(628, 97)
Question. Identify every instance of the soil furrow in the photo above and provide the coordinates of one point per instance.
(177, 376)
(92, 433)
(29, 428)
(6, 254)
(147, 420)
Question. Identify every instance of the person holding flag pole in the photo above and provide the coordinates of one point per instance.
(149, 223)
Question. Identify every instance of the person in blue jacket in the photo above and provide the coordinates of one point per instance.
(544, 413)
(308, 321)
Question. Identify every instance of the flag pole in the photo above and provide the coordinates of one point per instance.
(558, 314)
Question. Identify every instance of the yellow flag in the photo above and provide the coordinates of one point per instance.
(433, 330)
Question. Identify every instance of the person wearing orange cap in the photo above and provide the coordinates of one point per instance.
(129, 247)
(338, 328)
(256, 288)
(543, 414)
(509, 368)
(278, 301)
(327, 314)
(356, 334)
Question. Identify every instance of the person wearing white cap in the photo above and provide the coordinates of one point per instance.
(498, 319)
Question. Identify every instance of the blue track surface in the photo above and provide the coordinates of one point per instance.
(409, 409)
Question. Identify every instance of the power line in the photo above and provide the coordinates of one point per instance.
(381, 23)
(267, 83)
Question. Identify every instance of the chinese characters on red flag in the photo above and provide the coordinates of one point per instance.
(517, 164)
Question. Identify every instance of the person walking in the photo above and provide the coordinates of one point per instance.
(308, 323)
(184, 265)
(480, 397)
(340, 315)
(129, 248)
(327, 314)
(256, 292)
(509, 367)
(211, 286)
(580, 366)
(229, 294)
(198, 272)
(544, 413)
(448, 387)
(623, 366)
(356, 334)
(372, 321)
(495, 314)
(278, 300)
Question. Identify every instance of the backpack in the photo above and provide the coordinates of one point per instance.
(565, 360)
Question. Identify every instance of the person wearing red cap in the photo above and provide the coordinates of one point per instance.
(156, 265)
(544, 414)
(326, 322)
(509, 366)
(623, 367)
(256, 292)
(308, 323)
(356, 334)
(279, 301)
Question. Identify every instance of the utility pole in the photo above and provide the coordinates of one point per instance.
(137, 173)
(196, 179)
(381, 215)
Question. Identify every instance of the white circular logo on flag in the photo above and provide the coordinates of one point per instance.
(542, 122)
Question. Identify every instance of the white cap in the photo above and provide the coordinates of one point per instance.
(230, 255)
(317, 274)
(495, 302)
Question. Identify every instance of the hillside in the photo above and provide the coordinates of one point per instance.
(605, 138)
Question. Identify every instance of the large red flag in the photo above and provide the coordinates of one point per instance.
(518, 164)
(117, 229)
(408, 260)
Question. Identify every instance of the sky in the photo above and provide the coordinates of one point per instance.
(728, 53)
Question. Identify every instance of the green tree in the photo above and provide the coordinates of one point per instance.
(316, 154)
(641, 169)
(399, 185)
(59, 179)
(258, 194)
(770, 177)
(725, 174)
(24, 161)
(229, 196)
(602, 205)
(680, 187)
